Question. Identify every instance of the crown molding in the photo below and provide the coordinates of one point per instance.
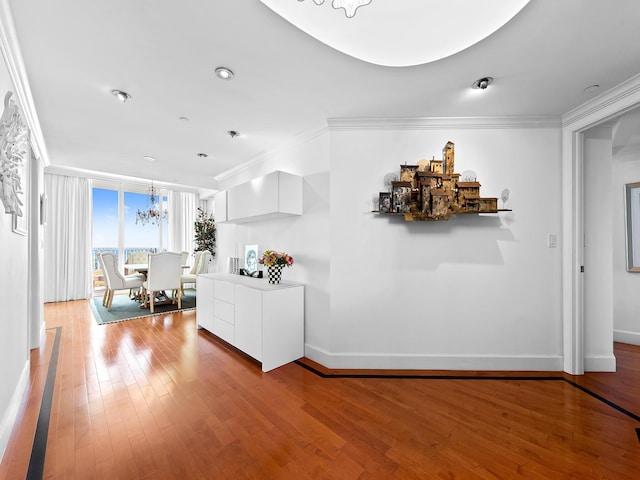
(439, 123)
(408, 123)
(134, 181)
(300, 139)
(12, 54)
(612, 103)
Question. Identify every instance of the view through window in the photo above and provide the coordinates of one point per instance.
(115, 229)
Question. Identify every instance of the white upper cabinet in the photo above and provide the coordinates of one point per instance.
(220, 201)
(274, 195)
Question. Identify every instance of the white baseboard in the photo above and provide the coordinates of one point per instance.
(41, 336)
(624, 336)
(386, 361)
(600, 363)
(11, 414)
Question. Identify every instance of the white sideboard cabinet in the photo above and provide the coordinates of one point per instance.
(264, 321)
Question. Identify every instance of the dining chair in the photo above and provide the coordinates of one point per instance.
(105, 278)
(163, 274)
(135, 258)
(200, 265)
(115, 280)
(196, 261)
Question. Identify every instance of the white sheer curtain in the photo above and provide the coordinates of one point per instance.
(182, 211)
(67, 239)
(207, 205)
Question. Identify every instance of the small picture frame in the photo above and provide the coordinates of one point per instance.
(632, 214)
(384, 204)
(251, 259)
(43, 209)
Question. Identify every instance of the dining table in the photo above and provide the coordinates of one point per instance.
(131, 268)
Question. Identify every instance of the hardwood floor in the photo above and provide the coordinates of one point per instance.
(157, 399)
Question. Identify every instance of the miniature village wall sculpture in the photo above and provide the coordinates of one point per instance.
(432, 190)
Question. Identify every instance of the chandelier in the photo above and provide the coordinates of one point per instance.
(153, 213)
(349, 6)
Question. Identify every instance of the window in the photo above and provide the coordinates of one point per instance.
(139, 236)
(105, 222)
(114, 223)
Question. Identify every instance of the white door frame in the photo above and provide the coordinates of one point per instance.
(610, 104)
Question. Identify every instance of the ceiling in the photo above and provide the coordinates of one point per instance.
(287, 83)
(393, 34)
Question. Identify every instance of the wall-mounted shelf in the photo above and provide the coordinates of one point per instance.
(419, 217)
(432, 191)
(275, 195)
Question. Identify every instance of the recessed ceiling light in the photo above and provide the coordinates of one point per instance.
(233, 133)
(149, 158)
(592, 88)
(203, 155)
(120, 95)
(482, 83)
(224, 73)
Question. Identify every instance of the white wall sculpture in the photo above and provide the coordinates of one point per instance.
(13, 152)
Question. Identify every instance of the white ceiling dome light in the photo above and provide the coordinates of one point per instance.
(400, 33)
(349, 6)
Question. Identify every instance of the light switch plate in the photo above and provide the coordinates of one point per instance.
(552, 240)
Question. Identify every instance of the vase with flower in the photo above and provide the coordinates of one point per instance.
(275, 262)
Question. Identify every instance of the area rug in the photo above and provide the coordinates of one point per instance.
(123, 308)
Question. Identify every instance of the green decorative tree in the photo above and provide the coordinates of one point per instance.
(205, 228)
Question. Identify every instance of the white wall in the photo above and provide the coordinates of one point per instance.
(305, 237)
(598, 291)
(14, 342)
(626, 285)
(36, 256)
(475, 292)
